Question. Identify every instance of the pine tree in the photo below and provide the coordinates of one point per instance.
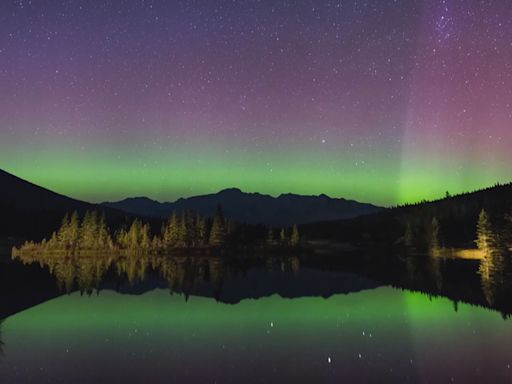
(122, 238)
(89, 231)
(74, 230)
(104, 241)
(182, 231)
(165, 233)
(434, 235)
(408, 235)
(295, 238)
(200, 231)
(492, 265)
(84, 240)
(171, 234)
(145, 237)
(282, 236)
(230, 227)
(270, 236)
(134, 235)
(218, 231)
(156, 244)
(53, 243)
(191, 229)
(507, 232)
(486, 239)
(62, 238)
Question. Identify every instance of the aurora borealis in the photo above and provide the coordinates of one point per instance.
(380, 101)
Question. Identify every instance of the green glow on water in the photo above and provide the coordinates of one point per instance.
(375, 328)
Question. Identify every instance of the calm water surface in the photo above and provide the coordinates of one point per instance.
(208, 322)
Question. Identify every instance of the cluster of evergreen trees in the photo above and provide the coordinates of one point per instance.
(493, 239)
(186, 230)
(190, 230)
(496, 234)
(285, 238)
(89, 233)
(428, 237)
(457, 216)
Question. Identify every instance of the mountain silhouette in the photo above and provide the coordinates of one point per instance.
(16, 193)
(29, 210)
(253, 208)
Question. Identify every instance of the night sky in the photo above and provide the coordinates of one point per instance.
(379, 100)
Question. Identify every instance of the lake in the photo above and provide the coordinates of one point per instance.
(184, 319)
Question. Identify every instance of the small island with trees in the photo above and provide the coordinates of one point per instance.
(181, 233)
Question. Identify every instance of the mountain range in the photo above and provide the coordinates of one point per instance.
(252, 208)
(29, 210)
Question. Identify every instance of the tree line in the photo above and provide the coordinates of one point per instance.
(492, 237)
(181, 231)
(488, 234)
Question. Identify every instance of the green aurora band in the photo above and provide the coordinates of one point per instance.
(110, 173)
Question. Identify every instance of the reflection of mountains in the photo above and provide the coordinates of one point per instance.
(260, 282)
(232, 280)
(1, 342)
(226, 281)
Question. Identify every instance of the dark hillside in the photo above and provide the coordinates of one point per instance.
(457, 217)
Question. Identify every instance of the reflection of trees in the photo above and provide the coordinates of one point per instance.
(183, 274)
(491, 270)
(217, 274)
(435, 254)
(1, 342)
(134, 266)
(295, 265)
(431, 240)
(434, 243)
(408, 235)
(65, 273)
(84, 271)
(284, 264)
(434, 265)
(168, 270)
(486, 278)
(411, 267)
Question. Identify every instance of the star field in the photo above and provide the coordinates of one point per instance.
(383, 101)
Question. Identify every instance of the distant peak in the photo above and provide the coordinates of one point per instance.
(139, 198)
(323, 196)
(230, 191)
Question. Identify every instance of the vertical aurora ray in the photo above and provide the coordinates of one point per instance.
(456, 133)
(379, 101)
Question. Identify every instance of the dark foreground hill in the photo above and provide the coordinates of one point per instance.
(253, 208)
(30, 211)
(455, 218)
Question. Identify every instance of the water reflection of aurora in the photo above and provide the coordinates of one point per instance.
(382, 334)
